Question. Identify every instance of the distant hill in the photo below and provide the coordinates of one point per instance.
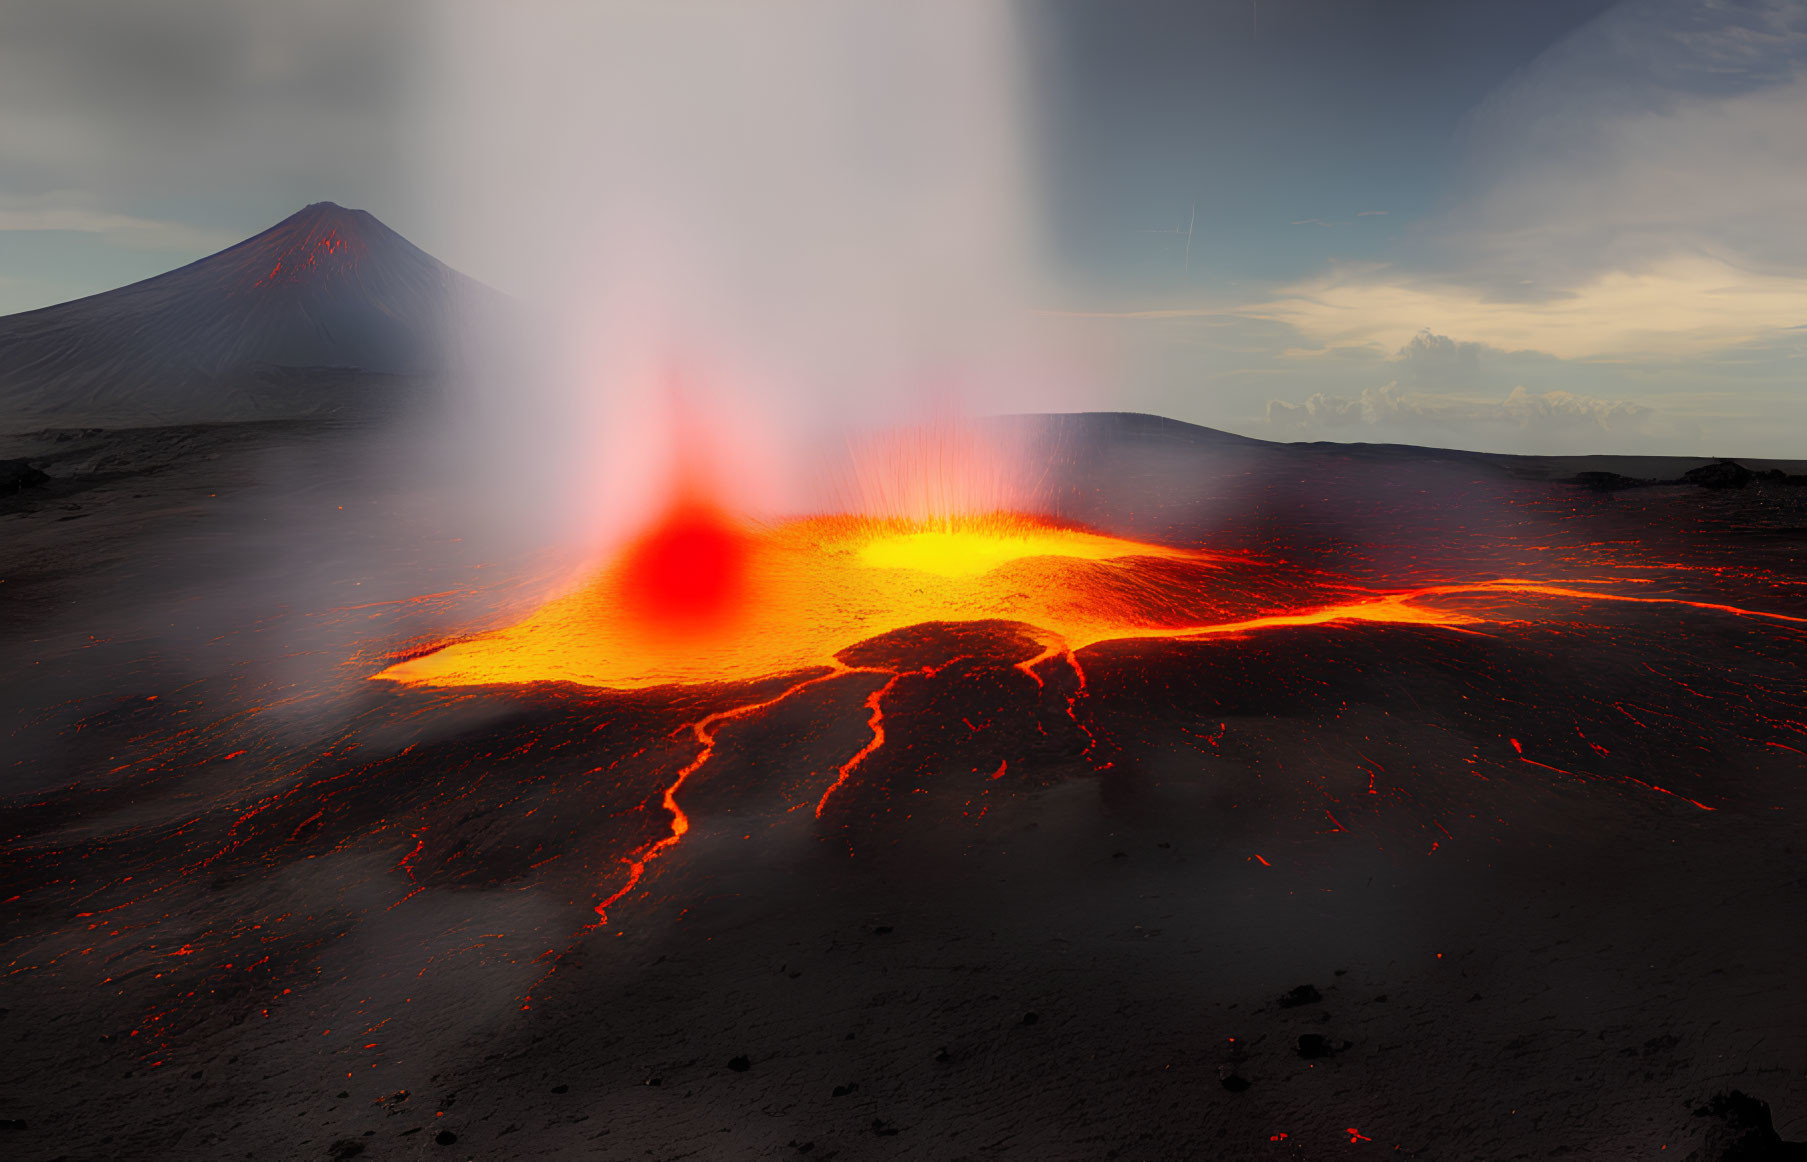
(236, 334)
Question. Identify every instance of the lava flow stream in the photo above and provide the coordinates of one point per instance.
(704, 729)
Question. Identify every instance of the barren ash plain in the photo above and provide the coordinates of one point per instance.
(1432, 804)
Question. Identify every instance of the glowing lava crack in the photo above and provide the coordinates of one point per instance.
(704, 599)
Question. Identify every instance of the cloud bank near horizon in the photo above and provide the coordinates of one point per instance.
(1440, 393)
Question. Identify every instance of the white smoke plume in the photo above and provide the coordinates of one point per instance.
(780, 222)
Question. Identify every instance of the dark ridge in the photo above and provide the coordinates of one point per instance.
(326, 288)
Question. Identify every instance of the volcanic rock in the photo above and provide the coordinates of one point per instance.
(1235, 1083)
(445, 1137)
(1725, 474)
(1313, 1046)
(1739, 1129)
(739, 1064)
(1304, 994)
(18, 475)
(345, 1148)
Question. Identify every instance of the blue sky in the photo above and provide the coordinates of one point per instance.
(1523, 227)
(1517, 226)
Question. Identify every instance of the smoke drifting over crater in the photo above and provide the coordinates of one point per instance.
(797, 222)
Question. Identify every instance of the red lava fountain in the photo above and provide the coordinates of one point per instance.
(688, 573)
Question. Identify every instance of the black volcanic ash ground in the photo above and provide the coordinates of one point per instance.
(1295, 895)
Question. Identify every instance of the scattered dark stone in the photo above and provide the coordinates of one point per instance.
(410, 1130)
(12, 1123)
(1381, 999)
(655, 1081)
(1606, 481)
(942, 1055)
(445, 1137)
(344, 1093)
(1119, 855)
(1235, 1083)
(1305, 994)
(17, 476)
(1474, 998)
(345, 1148)
(195, 1076)
(801, 1147)
(1313, 1046)
(1725, 474)
(1163, 844)
(882, 930)
(561, 1089)
(1662, 1044)
(882, 1129)
(1031, 1018)
(1740, 1130)
(1342, 972)
(844, 1090)
(739, 1064)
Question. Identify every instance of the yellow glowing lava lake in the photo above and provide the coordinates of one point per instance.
(815, 586)
(805, 591)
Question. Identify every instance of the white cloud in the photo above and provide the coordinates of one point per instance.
(1463, 394)
(1550, 421)
(1683, 305)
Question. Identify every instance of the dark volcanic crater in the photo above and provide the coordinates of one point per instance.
(1332, 891)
